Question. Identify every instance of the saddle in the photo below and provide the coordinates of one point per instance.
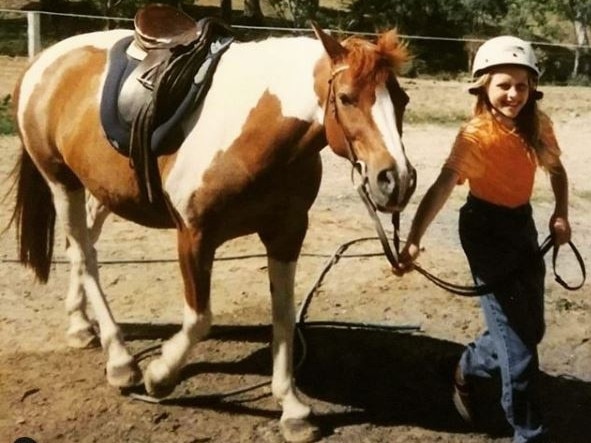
(155, 78)
(159, 26)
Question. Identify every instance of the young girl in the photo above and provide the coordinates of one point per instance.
(497, 152)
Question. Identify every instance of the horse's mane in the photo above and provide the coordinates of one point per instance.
(376, 61)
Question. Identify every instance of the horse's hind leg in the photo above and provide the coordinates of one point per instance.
(81, 332)
(70, 208)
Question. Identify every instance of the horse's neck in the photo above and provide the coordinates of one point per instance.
(282, 66)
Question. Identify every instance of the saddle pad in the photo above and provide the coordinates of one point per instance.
(121, 66)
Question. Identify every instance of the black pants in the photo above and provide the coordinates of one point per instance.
(501, 245)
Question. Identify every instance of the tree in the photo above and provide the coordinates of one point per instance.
(253, 12)
(299, 11)
(579, 13)
(547, 19)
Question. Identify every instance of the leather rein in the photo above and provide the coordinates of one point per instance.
(392, 254)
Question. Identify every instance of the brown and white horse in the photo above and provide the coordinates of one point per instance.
(247, 161)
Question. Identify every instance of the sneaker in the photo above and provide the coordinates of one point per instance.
(462, 396)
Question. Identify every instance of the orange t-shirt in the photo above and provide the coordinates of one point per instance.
(499, 165)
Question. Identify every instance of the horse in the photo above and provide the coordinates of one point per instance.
(245, 161)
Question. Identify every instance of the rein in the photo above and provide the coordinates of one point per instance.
(466, 291)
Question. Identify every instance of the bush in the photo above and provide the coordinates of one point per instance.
(7, 125)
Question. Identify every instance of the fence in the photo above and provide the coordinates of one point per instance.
(432, 54)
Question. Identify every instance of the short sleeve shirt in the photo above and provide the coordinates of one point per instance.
(498, 164)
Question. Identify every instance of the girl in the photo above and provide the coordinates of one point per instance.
(497, 152)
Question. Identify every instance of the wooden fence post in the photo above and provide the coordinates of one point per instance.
(33, 33)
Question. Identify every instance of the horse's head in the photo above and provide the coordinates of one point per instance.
(364, 105)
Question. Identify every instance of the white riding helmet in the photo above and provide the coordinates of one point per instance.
(504, 50)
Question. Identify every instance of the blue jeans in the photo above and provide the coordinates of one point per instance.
(501, 247)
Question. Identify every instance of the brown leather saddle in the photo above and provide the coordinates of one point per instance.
(159, 26)
(146, 98)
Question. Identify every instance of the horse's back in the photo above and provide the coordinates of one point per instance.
(64, 75)
(50, 63)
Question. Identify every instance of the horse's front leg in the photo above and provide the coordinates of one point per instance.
(196, 262)
(81, 332)
(294, 424)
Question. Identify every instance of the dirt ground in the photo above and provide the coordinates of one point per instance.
(365, 384)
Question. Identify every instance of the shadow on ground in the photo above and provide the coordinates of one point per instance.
(402, 379)
(388, 379)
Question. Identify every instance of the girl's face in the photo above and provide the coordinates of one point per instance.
(508, 91)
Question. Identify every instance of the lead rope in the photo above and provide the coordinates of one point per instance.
(463, 290)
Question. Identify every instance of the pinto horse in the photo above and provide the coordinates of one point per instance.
(247, 160)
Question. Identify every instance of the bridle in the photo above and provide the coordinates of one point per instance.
(362, 187)
(392, 254)
(331, 103)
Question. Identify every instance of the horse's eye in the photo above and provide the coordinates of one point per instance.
(345, 99)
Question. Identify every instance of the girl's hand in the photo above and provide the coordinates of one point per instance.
(406, 259)
(560, 229)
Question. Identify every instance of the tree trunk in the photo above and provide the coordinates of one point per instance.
(582, 38)
(226, 7)
(252, 9)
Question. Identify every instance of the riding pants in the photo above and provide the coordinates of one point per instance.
(502, 249)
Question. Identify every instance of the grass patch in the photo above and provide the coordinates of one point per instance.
(7, 126)
(585, 194)
(435, 116)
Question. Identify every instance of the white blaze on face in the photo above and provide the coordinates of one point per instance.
(280, 66)
(385, 119)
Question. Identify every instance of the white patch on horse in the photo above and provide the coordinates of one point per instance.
(384, 117)
(165, 369)
(283, 67)
(34, 75)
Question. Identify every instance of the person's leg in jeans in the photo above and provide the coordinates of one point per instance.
(504, 347)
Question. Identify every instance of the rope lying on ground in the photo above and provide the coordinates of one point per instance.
(301, 325)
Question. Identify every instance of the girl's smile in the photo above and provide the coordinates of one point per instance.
(508, 92)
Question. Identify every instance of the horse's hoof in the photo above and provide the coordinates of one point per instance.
(159, 382)
(124, 376)
(299, 430)
(159, 390)
(83, 339)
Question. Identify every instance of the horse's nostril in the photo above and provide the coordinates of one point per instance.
(413, 178)
(387, 181)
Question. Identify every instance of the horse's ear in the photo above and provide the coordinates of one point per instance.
(335, 50)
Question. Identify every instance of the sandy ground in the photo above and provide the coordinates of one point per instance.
(365, 384)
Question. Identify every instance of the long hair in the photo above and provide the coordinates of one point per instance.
(528, 122)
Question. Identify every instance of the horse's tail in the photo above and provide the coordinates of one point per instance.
(34, 215)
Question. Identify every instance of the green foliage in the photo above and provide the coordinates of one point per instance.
(447, 19)
(6, 121)
(297, 11)
(436, 29)
(13, 36)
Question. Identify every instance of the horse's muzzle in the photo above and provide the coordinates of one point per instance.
(393, 188)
